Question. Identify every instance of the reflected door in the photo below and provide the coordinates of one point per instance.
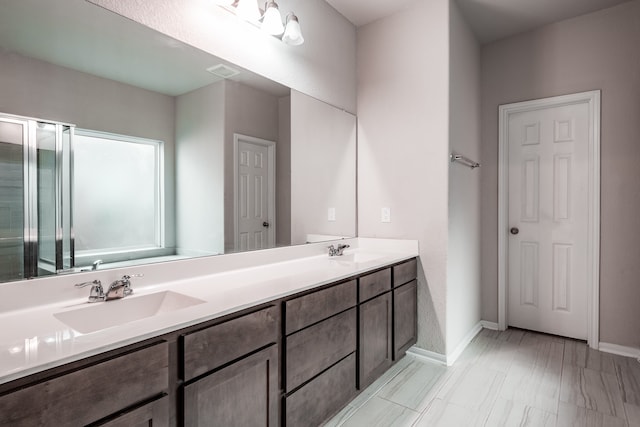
(254, 193)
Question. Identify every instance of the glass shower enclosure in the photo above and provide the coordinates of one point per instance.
(36, 224)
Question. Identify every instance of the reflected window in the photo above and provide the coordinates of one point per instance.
(117, 196)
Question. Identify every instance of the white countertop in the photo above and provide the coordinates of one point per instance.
(33, 340)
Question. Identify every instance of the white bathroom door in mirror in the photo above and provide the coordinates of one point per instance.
(254, 193)
(549, 218)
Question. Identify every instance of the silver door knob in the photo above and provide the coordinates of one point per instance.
(514, 230)
(265, 224)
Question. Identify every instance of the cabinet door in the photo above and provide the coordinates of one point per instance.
(375, 338)
(242, 394)
(405, 312)
(154, 414)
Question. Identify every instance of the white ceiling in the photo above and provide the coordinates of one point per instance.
(490, 19)
(79, 35)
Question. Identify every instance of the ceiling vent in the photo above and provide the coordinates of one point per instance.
(223, 71)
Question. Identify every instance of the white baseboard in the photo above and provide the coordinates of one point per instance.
(429, 356)
(453, 356)
(620, 350)
(450, 359)
(489, 325)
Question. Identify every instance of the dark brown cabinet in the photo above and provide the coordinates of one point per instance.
(375, 338)
(312, 350)
(405, 327)
(323, 396)
(89, 394)
(207, 349)
(405, 307)
(152, 414)
(320, 354)
(232, 372)
(244, 393)
(295, 361)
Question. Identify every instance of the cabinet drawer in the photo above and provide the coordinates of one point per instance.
(210, 348)
(92, 393)
(374, 284)
(309, 309)
(322, 397)
(314, 349)
(405, 272)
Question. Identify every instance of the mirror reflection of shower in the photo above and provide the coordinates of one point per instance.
(35, 197)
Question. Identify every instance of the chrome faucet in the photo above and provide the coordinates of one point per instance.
(94, 266)
(120, 288)
(117, 289)
(97, 292)
(333, 251)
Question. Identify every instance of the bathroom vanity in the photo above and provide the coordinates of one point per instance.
(294, 359)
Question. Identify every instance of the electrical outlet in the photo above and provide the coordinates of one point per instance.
(385, 215)
(331, 214)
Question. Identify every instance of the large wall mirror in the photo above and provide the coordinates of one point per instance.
(122, 146)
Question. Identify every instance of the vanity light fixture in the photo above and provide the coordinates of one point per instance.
(248, 10)
(272, 21)
(269, 20)
(293, 33)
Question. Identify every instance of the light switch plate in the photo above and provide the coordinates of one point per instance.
(331, 214)
(385, 215)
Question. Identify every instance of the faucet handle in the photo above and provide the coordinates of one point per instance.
(97, 293)
(126, 281)
(92, 283)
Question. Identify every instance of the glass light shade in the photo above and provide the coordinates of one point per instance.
(293, 32)
(272, 21)
(248, 10)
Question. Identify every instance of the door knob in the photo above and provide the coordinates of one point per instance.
(265, 224)
(514, 230)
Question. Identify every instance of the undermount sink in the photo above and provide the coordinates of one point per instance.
(358, 257)
(98, 316)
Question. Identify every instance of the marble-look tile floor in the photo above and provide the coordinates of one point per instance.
(510, 378)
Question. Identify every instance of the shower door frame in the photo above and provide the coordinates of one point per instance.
(31, 237)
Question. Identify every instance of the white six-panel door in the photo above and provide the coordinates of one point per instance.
(254, 193)
(549, 219)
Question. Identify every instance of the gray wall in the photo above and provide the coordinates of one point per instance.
(200, 170)
(323, 169)
(595, 51)
(403, 144)
(463, 262)
(283, 173)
